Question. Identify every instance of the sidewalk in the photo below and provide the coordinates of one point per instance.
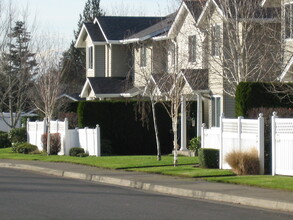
(186, 187)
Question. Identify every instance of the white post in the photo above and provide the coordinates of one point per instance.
(86, 140)
(98, 139)
(28, 130)
(273, 128)
(221, 142)
(239, 132)
(199, 114)
(261, 152)
(203, 126)
(65, 137)
(183, 124)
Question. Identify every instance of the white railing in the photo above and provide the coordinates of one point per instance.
(282, 145)
(235, 134)
(88, 139)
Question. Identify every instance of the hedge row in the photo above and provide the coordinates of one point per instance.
(119, 124)
(251, 95)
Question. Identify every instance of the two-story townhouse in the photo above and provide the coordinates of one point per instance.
(286, 7)
(109, 55)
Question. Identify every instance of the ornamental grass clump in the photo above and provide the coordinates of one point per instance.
(244, 162)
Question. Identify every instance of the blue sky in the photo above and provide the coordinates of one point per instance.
(61, 16)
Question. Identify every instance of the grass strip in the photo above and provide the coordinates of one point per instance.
(271, 182)
(184, 171)
(112, 162)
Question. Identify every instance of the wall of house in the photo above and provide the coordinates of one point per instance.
(120, 61)
(160, 56)
(89, 72)
(142, 74)
(188, 29)
(99, 61)
(229, 106)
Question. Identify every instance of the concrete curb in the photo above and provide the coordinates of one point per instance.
(196, 194)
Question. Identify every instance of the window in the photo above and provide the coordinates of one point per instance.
(216, 40)
(289, 21)
(90, 57)
(216, 111)
(143, 56)
(192, 48)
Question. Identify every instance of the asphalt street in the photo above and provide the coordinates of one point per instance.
(26, 195)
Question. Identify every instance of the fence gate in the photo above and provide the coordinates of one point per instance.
(282, 146)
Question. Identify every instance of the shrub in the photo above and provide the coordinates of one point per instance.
(55, 143)
(75, 151)
(194, 145)
(17, 135)
(4, 140)
(82, 155)
(244, 163)
(208, 158)
(106, 147)
(25, 148)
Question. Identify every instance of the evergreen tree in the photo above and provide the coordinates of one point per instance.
(73, 60)
(18, 68)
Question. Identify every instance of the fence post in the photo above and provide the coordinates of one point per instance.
(221, 141)
(239, 131)
(203, 126)
(27, 130)
(98, 141)
(86, 140)
(261, 153)
(273, 122)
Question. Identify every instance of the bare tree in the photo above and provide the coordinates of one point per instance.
(244, 42)
(17, 63)
(48, 85)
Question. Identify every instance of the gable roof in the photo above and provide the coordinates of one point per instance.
(107, 85)
(195, 7)
(95, 32)
(197, 79)
(119, 28)
(158, 29)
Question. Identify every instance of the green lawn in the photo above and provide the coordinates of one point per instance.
(271, 182)
(113, 162)
(184, 171)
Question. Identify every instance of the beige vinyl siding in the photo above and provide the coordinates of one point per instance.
(215, 62)
(142, 74)
(99, 61)
(186, 31)
(89, 72)
(120, 61)
(159, 58)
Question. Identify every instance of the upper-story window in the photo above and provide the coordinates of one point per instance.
(216, 40)
(192, 48)
(172, 54)
(90, 57)
(289, 20)
(143, 56)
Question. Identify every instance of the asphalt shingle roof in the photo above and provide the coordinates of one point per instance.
(197, 78)
(108, 85)
(119, 28)
(94, 32)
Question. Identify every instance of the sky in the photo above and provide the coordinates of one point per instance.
(60, 17)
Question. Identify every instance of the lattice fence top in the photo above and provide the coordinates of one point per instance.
(230, 125)
(249, 126)
(284, 126)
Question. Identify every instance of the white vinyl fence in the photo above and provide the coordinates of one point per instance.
(235, 134)
(88, 139)
(282, 145)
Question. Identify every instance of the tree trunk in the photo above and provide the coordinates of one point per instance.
(48, 136)
(174, 127)
(159, 157)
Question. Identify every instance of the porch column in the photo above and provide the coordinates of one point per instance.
(183, 124)
(199, 114)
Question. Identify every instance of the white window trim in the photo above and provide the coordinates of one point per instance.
(220, 40)
(291, 23)
(91, 57)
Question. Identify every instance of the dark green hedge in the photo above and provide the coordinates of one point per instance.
(119, 124)
(208, 158)
(251, 95)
